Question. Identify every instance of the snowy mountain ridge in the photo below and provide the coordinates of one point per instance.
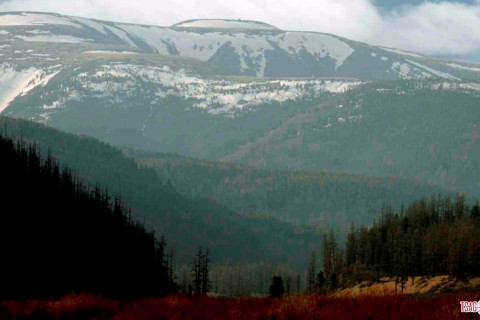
(246, 92)
(237, 47)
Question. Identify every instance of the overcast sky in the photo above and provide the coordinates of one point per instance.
(439, 28)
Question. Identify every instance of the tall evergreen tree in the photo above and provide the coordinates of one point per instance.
(311, 274)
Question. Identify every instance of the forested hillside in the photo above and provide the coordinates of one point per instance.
(187, 222)
(321, 199)
(57, 236)
(421, 131)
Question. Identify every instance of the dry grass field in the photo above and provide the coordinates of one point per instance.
(393, 307)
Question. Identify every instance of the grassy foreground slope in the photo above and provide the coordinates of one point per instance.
(295, 307)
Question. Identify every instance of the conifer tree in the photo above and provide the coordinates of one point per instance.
(311, 273)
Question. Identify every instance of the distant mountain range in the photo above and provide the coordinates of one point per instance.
(249, 93)
(236, 47)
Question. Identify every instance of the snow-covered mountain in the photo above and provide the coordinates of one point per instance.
(245, 91)
(236, 47)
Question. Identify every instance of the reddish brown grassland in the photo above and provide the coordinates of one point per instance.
(86, 306)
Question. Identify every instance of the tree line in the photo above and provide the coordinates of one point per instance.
(432, 236)
(242, 279)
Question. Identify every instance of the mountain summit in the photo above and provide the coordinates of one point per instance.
(225, 24)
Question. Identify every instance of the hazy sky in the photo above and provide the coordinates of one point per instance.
(442, 28)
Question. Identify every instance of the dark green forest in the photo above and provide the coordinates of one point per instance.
(320, 199)
(58, 236)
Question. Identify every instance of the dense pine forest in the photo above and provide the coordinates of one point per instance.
(58, 236)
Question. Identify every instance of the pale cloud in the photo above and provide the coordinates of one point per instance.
(430, 28)
(439, 29)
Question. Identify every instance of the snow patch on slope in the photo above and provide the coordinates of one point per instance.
(217, 97)
(190, 44)
(41, 79)
(15, 83)
(402, 69)
(318, 45)
(249, 47)
(404, 53)
(121, 34)
(91, 23)
(37, 31)
(433, 71)
(53, 38)
(458, 66)
(31, 19)
(416, 71)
